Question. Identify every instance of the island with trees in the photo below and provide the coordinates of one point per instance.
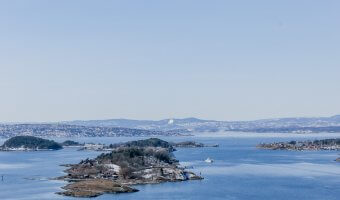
(145, 143)
(192, 144)
(147, 161)
(325, 144)
(71, 143)
(29, 143)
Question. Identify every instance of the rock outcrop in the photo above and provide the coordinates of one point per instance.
(94, 188)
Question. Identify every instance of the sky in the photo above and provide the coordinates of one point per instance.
(223, 60)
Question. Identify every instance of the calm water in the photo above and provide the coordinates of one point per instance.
(240, 171)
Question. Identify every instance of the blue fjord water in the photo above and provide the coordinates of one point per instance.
(240, 171)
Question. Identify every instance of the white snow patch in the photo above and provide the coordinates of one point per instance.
(114, 167)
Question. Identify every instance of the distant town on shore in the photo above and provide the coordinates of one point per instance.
(169, 127)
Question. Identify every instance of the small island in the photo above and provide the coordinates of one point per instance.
(325, 144)
(70, 143)
(29, 143)
(147, 161)
(338, 159)
(192, 144)
(144, 143)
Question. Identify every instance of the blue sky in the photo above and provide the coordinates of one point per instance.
(225, 60)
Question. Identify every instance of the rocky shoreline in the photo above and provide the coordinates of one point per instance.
(148, 161)
(94, 188)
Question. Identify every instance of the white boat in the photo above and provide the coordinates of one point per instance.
(208, 160)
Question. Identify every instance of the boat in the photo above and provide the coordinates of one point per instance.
(208, 160)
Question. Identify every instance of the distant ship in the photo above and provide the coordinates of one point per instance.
(208, 160)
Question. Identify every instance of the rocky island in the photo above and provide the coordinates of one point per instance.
(148, 161)
(326, 144)
(29, 143)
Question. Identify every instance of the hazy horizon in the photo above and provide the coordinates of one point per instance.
(220, 60)
(13, 122)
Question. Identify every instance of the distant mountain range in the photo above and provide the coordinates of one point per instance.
(304, 124)
(169, 127)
